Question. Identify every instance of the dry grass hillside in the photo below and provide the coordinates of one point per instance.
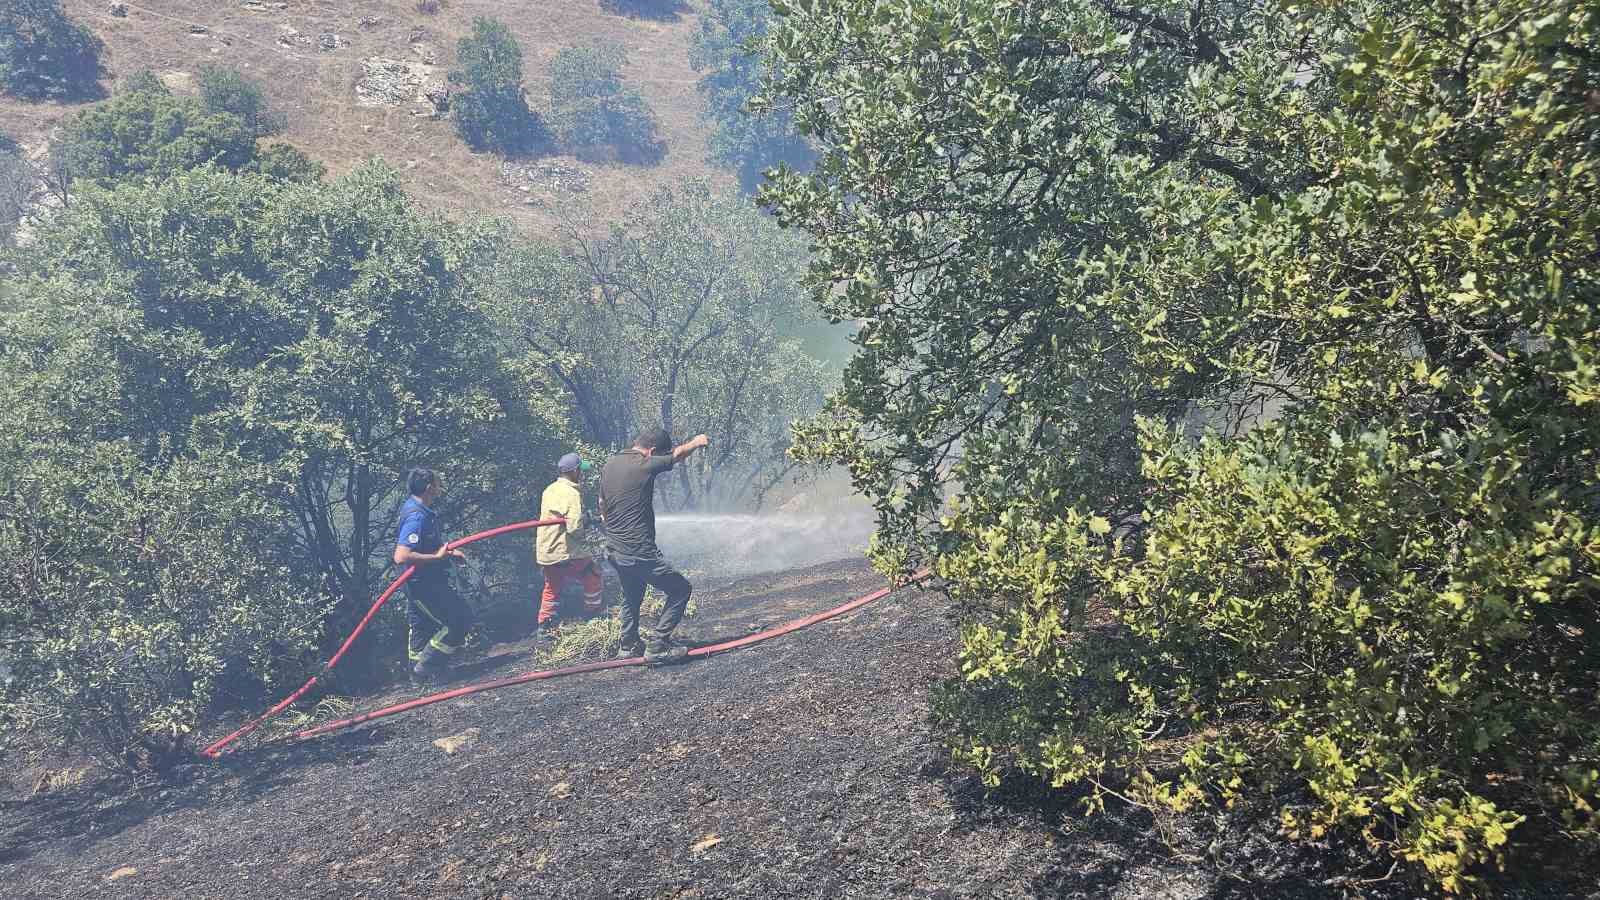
(310, 56)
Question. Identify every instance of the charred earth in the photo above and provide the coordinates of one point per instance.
(802, 767)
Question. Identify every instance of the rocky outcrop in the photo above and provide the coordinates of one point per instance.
(546, 178)
(290, 37)
(393, 82)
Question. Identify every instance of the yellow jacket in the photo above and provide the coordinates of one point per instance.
(557, 543)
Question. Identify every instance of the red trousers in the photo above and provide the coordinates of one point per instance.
(558, 574)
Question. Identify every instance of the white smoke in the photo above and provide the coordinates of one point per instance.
(735, 544)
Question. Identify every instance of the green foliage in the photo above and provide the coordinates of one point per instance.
(149, 132)
(250, 365)
(1238, 367)
(226, 90)
(491, 58)
(677, 317)
(645, 9)
(593, 113)
(132, 608)
(146, 131)
(142, 80)
(131, 603)
(749, 136)
(286, 163)
(491, 113)
(46, 56)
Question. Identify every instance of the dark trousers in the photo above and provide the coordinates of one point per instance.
(436, 617)
(635, 575)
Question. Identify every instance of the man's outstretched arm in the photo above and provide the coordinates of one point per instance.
(682, 451)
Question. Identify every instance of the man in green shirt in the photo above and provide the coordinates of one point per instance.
(627, 504)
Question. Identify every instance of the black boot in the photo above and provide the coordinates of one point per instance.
(430, 667)
(659, 650)
(547, 632)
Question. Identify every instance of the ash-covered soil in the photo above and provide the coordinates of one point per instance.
(801, 767)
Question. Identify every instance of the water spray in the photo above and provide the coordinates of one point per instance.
(735, 544)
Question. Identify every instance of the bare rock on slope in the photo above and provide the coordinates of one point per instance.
(391, 82)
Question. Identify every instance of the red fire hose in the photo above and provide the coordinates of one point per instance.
(216, 749)
(482, 686)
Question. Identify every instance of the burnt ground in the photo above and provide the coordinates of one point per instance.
(802, 767)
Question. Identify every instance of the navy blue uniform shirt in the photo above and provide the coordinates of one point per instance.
(419, 531)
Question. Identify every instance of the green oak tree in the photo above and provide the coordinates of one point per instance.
(229, 375)
(724, 48)
(226, 90)
(680, 315)
(1236, 365)
(286, 163)
(142, 586)
(147, 132)
(491, 111)
(141, 80)
(594, 114)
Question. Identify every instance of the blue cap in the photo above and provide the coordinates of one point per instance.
(572, 462)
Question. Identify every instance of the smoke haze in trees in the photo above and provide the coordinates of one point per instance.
(742, 544)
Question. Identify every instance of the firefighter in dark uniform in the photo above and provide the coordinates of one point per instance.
(437, 617)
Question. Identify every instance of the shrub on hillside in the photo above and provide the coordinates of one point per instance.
(593, 113)
(142, 80)
(491, 111)
(660, 10)
(227, 90)
(44, 55)
(286, 163)
(150, 132)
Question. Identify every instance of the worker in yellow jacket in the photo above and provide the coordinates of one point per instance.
(567, 551)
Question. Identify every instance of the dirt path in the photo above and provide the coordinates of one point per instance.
(798, 768)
